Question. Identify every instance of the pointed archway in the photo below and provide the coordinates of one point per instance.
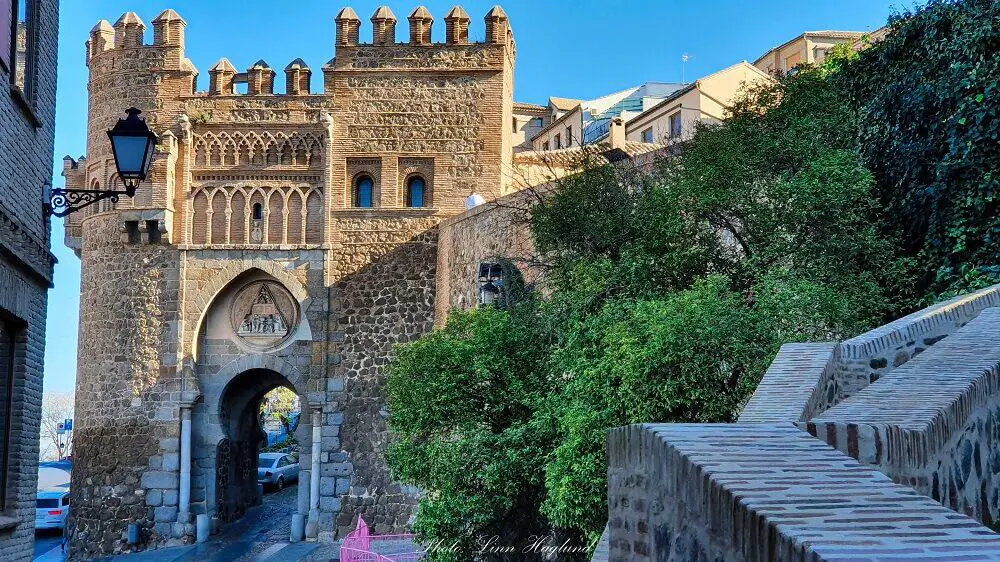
(237, 451)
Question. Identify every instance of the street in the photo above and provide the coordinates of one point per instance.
(45, 541)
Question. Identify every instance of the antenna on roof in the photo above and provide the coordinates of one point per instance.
(684, 59)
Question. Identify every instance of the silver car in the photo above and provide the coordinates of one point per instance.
(277, 469)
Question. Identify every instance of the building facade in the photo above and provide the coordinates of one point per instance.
(282, 239)
(809, 48)
(27, 114)
(706, 100)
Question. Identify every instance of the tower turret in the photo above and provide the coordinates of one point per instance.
(102, 38)
(168, 29)
(384, 26)
(456, 24)
(348, 27)
(497, 26)
(420, 26)
(260, 78)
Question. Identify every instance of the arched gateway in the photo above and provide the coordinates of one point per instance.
(242, 264)
(236, 453)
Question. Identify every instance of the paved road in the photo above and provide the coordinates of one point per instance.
(262, 535)
(45, 541)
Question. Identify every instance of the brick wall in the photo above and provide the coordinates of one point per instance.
(768, 492)
(26, 269)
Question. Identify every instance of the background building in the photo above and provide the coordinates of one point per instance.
(809, 48)
(27, 113)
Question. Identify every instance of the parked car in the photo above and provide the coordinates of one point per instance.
(52, 498)
(277, 469)
(52, 508)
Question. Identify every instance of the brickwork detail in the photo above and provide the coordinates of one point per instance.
(768, 492)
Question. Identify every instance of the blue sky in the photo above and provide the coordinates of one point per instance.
(569, 48)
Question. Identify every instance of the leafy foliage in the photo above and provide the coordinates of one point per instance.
(822, 206)
(927, 100)
(466, 403)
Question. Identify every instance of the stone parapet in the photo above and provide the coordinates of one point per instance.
(874, 354)
(932, 422)
(805, 379)
(756, 492)
(796, 385)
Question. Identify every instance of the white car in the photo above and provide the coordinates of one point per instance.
(51, 508)
(52, 499)
(277, 469)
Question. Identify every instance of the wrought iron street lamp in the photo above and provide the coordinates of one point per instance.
(132, 145)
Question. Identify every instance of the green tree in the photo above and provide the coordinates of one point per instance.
(929, 119)
(669, 294)
(465, 403)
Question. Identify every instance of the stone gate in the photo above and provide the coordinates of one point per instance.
(284, 239)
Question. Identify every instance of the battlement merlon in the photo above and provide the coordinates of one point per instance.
(127, 32)
(498, 31)
(168, 39)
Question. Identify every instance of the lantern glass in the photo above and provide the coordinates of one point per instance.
(132, 143)
(130, 154)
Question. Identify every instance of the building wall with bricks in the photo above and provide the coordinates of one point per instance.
(26, 142)
(245, 262)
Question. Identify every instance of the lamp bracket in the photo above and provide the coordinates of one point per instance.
(64, 201)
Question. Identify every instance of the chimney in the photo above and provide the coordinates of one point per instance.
(420, 26)
(616, 133)
(384, 24)
(348, 27)
(297, 76)
(456, 24)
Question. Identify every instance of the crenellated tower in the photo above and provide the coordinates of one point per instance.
(319, 199)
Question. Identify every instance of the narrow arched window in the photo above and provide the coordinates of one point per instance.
(363, 191)
(258, 212)
(415, 187)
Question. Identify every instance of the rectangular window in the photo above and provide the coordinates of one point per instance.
(22, 46)
(647, 135)
(132, 231)
(558, 141)
(545, 145)
(569, 136)
(8, 343)
(676, 127)
(536, 122)
(6, 26)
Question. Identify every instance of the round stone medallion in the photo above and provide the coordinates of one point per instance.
(264, 314)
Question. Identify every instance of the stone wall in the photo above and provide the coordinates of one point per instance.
(933, 422)
(491, 231)
(26, 142)
(383, 295)
(127, 390)
(768, 492)
(805, 379)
